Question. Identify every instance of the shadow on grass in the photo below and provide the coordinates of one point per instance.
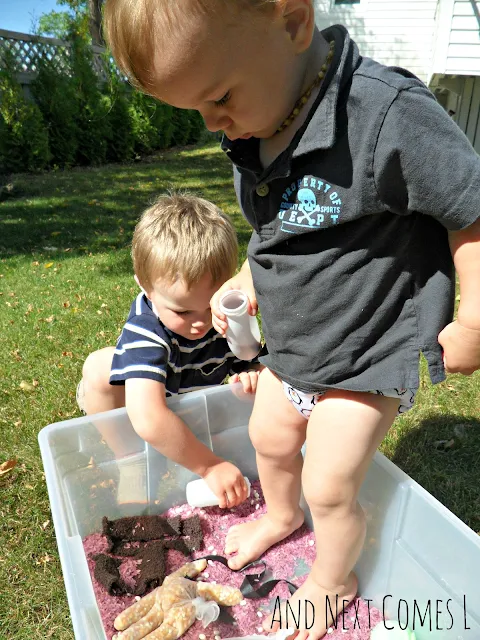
(95, 209)
(443, 454)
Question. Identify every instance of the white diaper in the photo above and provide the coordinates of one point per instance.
(304, 402)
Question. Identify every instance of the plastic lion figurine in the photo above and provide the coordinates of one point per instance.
(168, 611)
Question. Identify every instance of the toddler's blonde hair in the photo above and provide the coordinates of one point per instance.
(183, 237)
(133, 29)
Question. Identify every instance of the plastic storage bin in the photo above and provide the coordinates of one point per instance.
(416, 552)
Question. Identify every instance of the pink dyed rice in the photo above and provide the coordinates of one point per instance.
(288, 559)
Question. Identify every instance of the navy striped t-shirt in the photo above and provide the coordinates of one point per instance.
(147, 349)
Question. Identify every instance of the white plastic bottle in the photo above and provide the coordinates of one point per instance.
(243, 334)
(200, 495)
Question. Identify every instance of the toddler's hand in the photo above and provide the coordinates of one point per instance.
(248, 379)
(461, 348)
(227, 483)
(243, 282)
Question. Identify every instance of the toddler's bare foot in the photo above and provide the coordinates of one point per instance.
(250, 540)
(310, 621)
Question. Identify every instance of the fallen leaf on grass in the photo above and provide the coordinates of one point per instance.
(48, 265)
(46, 558)
(45, 524)
(26, 386)
(7, 466)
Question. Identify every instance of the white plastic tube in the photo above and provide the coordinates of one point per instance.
(243, 334)
(200, 495)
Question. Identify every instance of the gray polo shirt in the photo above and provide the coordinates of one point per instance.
(349, 253)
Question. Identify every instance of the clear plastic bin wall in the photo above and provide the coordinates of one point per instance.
(418, 557)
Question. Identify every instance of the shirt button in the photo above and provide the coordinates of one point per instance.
(262, 190)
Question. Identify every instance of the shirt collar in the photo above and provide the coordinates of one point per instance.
(318, 131)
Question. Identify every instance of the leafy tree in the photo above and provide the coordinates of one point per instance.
(56, 24)
(86, 15)
(95, 21)
(82, 112)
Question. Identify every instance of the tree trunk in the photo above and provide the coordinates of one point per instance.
(95, 21)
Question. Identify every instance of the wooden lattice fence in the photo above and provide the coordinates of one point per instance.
(26, 51)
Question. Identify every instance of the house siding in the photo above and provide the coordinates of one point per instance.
(463, 51)
(396, 33)
(468, 117)
(438, 40)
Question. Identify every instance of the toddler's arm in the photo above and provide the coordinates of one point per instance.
(461, 339)
(155, 423)
(424, 163)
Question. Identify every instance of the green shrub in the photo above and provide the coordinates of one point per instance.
(23, 134)
(92, 118)
(142, 113)
(54, 93)
(162, 122)
(120, 141)
(197, 128)
(181, 127)
(158, 126)
(79, 118)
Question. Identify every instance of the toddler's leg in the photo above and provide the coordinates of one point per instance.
(343, 433)
(98, 394)
(277, 432)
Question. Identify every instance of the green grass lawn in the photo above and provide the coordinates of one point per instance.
(66, 286)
